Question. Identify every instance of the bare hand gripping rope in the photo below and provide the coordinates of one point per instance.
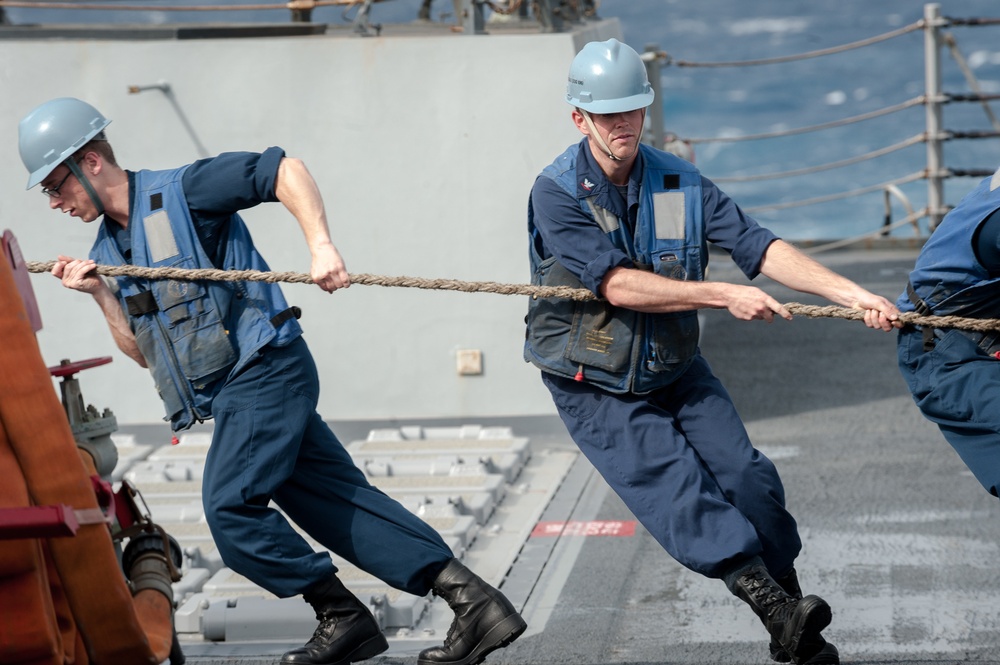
(810, 311)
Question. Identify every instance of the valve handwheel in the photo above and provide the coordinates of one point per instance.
(67, 368)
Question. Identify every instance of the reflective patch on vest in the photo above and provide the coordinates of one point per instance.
(160, 237)
(669, 215)
(995, 181)
(606, 219)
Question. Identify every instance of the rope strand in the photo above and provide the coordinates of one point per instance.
(809, 311)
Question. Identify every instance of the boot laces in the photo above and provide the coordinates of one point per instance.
(326, 627)
(768, 597)
(450, 637)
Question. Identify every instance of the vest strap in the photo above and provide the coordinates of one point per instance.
(989, 342)
(141, 303)
(922, 309)
(292, 312)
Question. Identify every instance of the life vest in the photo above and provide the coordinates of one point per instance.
(947, 277)
(622, 350)
(183, 328)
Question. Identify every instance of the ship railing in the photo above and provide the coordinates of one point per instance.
(933, 25)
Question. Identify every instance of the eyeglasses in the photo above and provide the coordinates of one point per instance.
(53, 192)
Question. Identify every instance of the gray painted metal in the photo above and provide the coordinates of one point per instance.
(484, 510)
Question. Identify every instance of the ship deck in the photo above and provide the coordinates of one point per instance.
(898, 536)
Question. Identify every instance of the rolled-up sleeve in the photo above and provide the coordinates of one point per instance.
(575, 239)
(232, 181)
(731, 229)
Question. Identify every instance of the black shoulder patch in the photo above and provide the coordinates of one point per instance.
(672, 181)
(155, 201)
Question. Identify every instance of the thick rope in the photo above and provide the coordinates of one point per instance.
(908, 318)
(810, 311)
(301, 278)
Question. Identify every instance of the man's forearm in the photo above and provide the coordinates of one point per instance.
(788, 266)
(118, 324)
(646, 292)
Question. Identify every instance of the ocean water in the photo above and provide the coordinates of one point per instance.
(734, 101)
(740, 101)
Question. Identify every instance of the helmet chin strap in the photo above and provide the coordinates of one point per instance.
(78, 172)
(600, 141)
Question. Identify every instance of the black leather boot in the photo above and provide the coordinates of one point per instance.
(347, 631)
(484, 619)
(794, 623)
(790, 583)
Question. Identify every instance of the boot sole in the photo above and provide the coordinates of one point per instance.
(499, 636)
(368, 649)
(811, 616)
(828, 655)
(779, 655)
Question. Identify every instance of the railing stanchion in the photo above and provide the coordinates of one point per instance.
(932, 85)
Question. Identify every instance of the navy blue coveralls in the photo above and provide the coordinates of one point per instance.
(678, 456)
(269, 442)
(954, 374)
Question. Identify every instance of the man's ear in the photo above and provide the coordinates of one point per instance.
(91, 162)
(581, 122)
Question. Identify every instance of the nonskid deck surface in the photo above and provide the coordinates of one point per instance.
(481, 488)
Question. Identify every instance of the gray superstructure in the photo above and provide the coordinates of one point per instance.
(424, 143)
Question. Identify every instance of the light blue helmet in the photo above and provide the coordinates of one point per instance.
(52, 132)
(608, 77)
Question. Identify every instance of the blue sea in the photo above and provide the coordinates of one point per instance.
(734, 101)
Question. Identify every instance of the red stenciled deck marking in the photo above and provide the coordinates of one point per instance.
(588, 528)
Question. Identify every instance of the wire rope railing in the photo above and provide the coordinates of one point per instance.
(913, 177)
(913, 27)
(934, 135)
(919, 138)
(916, 101)
(871, 235)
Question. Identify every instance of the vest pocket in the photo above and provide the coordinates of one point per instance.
(599, 337)
(199, 339)
(203, 349)
(673, 340)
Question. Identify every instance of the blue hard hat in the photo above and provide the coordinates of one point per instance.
(608, 77)
(53, 131)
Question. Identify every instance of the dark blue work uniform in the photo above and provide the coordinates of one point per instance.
(678, 455)
(269, 442)
(954, 374)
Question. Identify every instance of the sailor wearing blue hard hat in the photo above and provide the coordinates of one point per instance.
(632, 224)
